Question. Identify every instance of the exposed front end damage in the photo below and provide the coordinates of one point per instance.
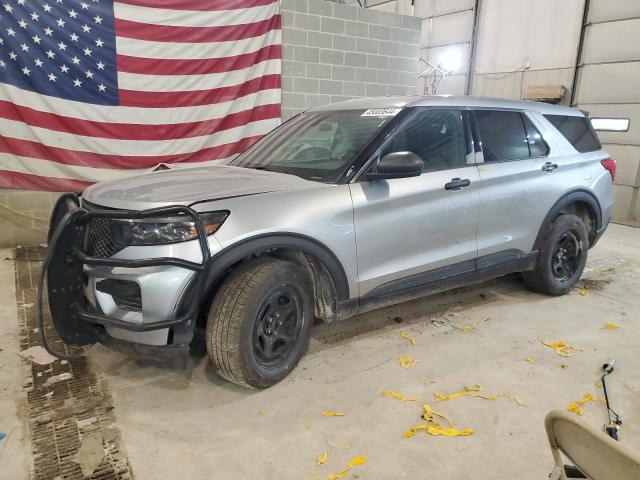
(95, 290)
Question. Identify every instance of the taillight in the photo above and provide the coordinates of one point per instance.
(610, 165)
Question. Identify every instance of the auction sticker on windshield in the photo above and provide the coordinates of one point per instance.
(381, 112)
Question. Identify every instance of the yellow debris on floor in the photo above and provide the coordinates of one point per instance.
(407, 361)
(474, 388)
(354, 462)
(575, 407)
(611, 326)
(466, 392)
(432, 427)
(470, 327)
(333, 414)
(428, 412)
(322, 459)
(408, 338)
(437, 430)
(397, 396)
(561, 348)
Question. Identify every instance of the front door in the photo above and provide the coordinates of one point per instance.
(408, 227)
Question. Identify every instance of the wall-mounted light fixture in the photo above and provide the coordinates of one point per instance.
(610, 124)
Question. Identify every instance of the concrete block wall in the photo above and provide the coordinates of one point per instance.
(334, 52)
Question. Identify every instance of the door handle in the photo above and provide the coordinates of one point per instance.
(549, 167)
(457, 184)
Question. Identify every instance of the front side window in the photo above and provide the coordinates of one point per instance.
(435, 135)
(316, 146)
(503, 135)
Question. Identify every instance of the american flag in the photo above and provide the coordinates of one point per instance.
(92, 90)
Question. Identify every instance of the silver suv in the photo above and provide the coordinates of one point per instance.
(340, 210)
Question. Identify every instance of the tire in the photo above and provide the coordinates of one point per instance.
(260, 306)
(557, 268)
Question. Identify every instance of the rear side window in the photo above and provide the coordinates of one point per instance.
(503, 135)
(577, 130)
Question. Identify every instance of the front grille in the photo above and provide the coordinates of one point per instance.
(100, 239)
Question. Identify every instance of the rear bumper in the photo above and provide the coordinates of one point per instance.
(169, 286)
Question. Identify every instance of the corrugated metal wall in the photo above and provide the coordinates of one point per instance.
(608, 86)
(518, 42)
(522, 43)
(447, 28)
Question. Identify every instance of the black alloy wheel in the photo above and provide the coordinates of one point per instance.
(566, 256)
(560, 257)
(259, 321)
(278, 326)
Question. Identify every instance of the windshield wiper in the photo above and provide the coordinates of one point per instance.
(277, 170)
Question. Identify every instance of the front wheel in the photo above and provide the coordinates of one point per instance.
(258, 325)
(562, 257)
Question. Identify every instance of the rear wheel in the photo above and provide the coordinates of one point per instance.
(258, 325)
(562, 257)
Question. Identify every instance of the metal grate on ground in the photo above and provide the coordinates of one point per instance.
(71, 420)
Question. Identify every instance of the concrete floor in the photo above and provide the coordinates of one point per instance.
(192, 424)
(15, 454)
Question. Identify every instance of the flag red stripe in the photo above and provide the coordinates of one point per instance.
(127, 131)
(174, 34)
(137, 98)
(161, 66)
(34, 156)
(26, 181)
(30, 149)
(198, 5)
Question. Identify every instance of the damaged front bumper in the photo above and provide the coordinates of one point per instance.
(88, 294)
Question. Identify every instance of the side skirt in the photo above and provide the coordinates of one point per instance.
(439, 280)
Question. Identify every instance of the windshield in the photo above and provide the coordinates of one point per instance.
(316, 145)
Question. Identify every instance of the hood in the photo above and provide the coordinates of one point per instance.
(184, 186)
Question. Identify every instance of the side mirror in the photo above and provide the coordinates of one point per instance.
(397, 165)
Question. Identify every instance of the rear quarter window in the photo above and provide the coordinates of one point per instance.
(577, 130)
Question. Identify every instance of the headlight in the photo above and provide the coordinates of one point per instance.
(158, 231)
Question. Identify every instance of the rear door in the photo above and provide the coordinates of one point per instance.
(408, 227)
(521, 177)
